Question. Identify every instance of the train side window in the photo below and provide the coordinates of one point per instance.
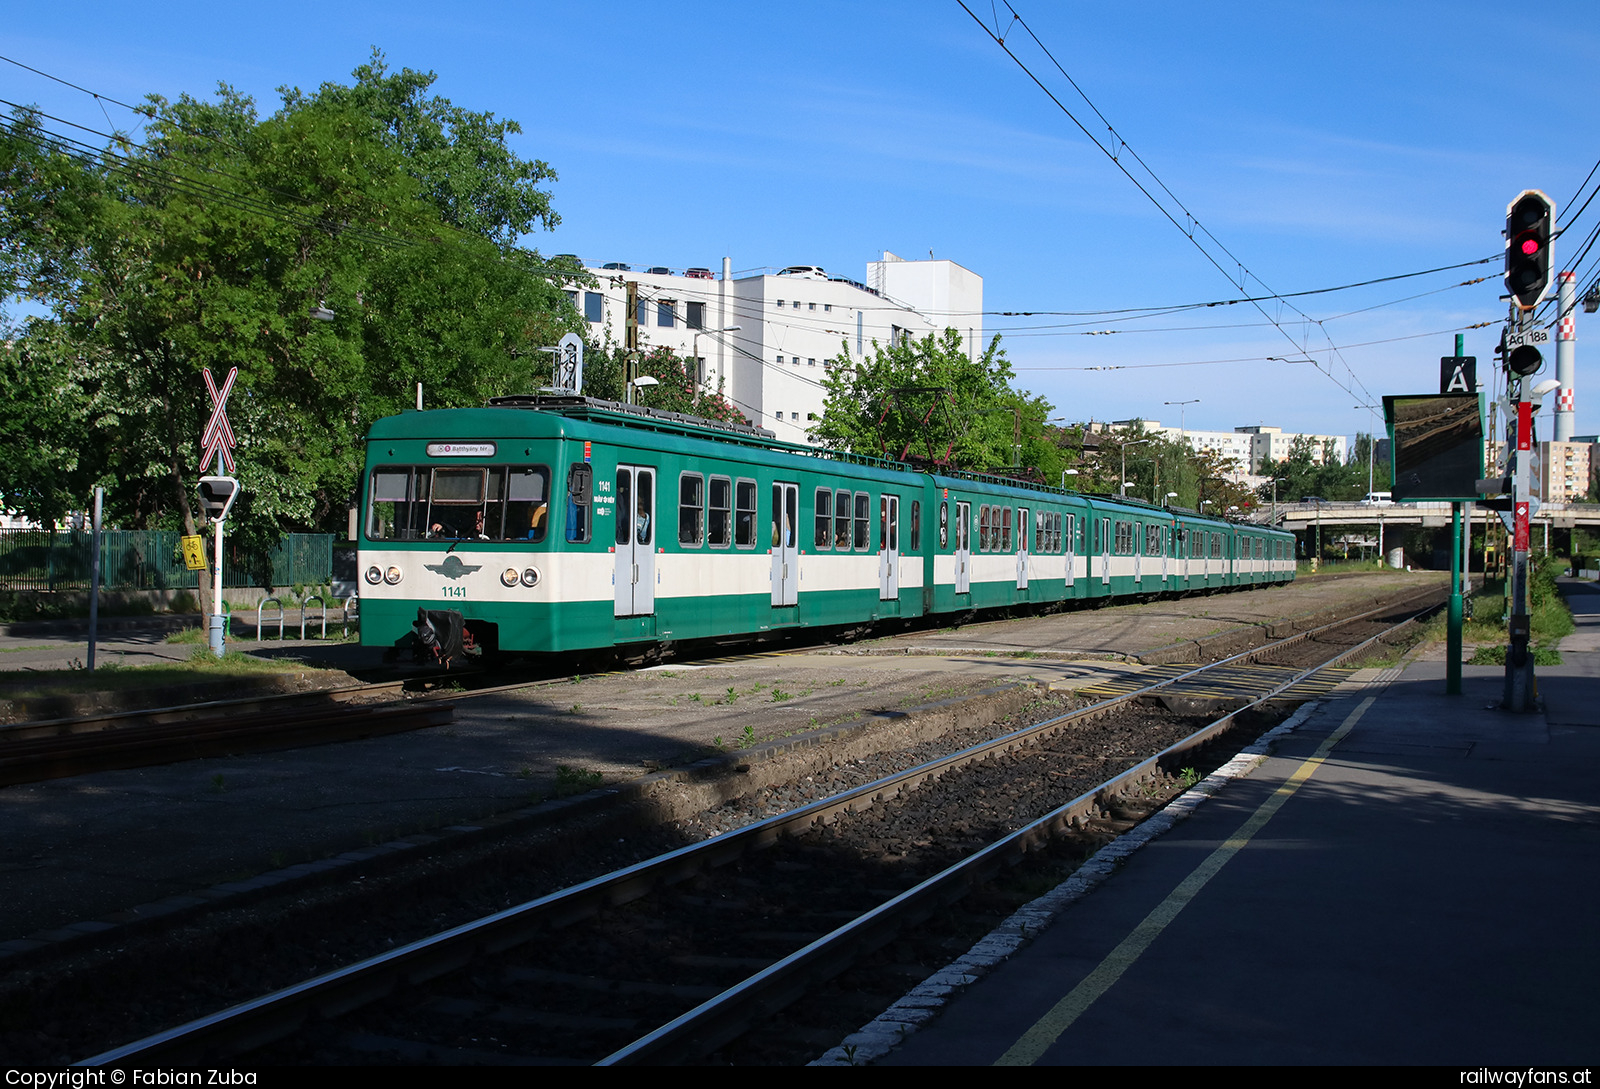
(783, 517)
(841, 521)
(644, 528)
(580, 491)
(719, 516)
(863, 521)
(1005, 530)
(916, 525)
(983, 529)
(744, 520)
(823, 537)
(527, 512)
(624, 505)
(691, 509)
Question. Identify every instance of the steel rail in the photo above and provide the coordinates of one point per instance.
(271, 1017)
(728, 1015)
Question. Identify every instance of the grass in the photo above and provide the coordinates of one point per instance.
(571, 780)
(1496, 655)
(201, 668)
(188, 635)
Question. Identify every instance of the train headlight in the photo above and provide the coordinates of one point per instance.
(530, 577)
(509, 576)
(392, 576)
(374, 574)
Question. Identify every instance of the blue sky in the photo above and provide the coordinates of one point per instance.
(1321, 144)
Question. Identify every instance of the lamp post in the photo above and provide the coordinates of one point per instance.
(644, 381)
(1122, 452)
(1275, 483)
(1064, 474)
(1181, 406)
(1170, 497)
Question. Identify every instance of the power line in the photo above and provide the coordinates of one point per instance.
(1195, 224)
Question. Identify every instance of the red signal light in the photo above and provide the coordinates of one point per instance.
(1528, 230)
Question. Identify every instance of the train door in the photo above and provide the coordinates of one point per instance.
(1140, 532)
(963, 548)
(785, 546)
(1166, 551)
(1023, 528)
(1070, 545)
(888, 548)
(634, 576)
(1105, 552)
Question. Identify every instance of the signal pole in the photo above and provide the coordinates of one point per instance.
(1528, 222)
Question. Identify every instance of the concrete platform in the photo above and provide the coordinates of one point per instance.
(1408, 878)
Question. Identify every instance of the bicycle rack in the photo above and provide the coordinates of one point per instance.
(259, 609)
(350, 613)
(304, 607)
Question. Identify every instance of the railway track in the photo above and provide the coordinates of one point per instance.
(670, 959)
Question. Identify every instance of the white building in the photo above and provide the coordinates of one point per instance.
(1246, 445)
(763, 339)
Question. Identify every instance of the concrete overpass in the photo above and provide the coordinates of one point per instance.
(1299, 516)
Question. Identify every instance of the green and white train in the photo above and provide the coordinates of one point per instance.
(560, 524)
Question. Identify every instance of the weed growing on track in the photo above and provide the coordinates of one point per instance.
(571, 780)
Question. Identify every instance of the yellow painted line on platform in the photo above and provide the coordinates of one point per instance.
(1048, 1029)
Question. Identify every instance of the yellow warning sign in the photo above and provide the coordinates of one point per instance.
(194, 553)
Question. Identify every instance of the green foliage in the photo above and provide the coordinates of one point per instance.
(1496, 655)
(1313, 470)
(210, 245)
(604, 375)
(928, 399)
(571, 780)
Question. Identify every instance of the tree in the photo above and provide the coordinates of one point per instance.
(356, 242)
(604, 375)
(1312, 471)
(929, 400)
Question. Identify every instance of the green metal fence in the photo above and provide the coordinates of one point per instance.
(137, 559)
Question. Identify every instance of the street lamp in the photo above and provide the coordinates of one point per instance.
(1064, 474)
(1181, 405)
(1275, 483)
(1122, 451)
(644, 381)
(1170, 497)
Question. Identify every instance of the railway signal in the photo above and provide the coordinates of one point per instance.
(1528, 220)
(217, 495)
